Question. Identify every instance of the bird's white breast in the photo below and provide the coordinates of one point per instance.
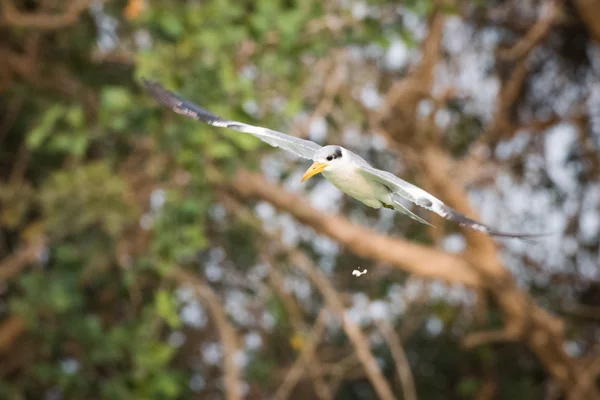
(350, 181)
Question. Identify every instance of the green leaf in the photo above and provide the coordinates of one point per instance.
(166, 308)
(115, 98)
(79, 144)
(167, 385)
(468, 386)
(171, 25)
(45, 126)
(221, 150)
(75, 117)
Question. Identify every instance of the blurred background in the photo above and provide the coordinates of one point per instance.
(147, 256)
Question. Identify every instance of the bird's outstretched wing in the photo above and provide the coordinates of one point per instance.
(423, 199)
(300, 147)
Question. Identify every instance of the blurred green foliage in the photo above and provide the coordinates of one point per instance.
(98, 309)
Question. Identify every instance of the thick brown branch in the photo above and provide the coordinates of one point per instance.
(398, 116)
(437, 166)
(14, 263)
(589, 12)
(430, 49)
(485, 337)
(45, 21)
(10, 330)
(535, 35)
(590, 370)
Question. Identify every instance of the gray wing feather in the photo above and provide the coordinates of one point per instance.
(398, 206)
(300, 147)
(423, 199)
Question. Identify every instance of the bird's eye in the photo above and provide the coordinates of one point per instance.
(329, 158)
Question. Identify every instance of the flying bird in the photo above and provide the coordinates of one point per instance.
(346, 170)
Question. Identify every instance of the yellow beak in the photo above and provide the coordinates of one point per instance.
(314, 169)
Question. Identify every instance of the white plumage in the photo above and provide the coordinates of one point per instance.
(346, 170)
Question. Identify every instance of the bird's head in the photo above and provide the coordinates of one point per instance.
(326, 158)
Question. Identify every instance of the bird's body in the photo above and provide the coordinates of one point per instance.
(347, 178)
(370, 193)
(346, 170)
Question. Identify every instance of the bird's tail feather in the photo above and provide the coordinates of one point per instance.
(402, 209)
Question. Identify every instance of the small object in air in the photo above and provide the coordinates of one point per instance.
(358, 272)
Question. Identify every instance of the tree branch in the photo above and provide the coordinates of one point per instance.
(44, 21)
(536, 33)
(400, 360)
(492, 336)
(589, 12)
(10, 330)
(13, 264)
(228, 335)
(298, 369)
(398, 114)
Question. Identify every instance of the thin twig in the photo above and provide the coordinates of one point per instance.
(297, 370)
(13, 264)
(228, 335)
(400, 359)
(535, 35)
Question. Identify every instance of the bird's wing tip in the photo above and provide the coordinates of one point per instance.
(462, 220)
(156, 89)
(529, 236)
(178, 104)
(149, 83)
